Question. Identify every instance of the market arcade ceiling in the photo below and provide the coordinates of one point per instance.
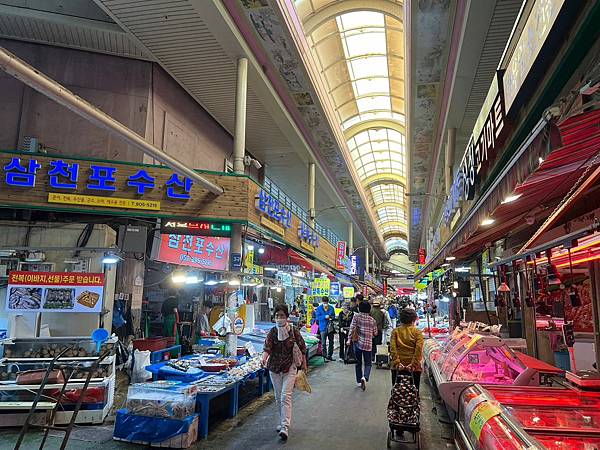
(360, 56)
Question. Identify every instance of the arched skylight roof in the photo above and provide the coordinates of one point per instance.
(361, 57)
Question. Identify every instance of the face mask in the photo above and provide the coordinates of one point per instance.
(281, 322)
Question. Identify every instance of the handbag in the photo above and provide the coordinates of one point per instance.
(330, 327)
(302, 383)
(355, 334)
(297, 353)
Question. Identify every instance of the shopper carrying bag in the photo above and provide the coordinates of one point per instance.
(362, 330)
(406, 348)
(284, 352)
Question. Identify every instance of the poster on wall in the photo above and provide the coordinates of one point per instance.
(54, 292)
(320, 287)
(202, 252)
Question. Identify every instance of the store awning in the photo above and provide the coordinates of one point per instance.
(541, 175)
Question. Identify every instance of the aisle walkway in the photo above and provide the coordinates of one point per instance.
(337, 415)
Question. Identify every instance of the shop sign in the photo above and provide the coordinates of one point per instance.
(286, 267)
(284, 277)
(62, 292)
(320, 287)
(202, 252)
(334, 289)
(483, 143)
(307, 247)
(354, 265)
(65, 175)
(273, 209)
(348, 292)
(308, 235)
(195, 228)
(541, 18)
(236, 261)
(341, 254)
(385, 287)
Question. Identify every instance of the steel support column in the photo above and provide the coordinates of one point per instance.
(350, 238)
(311, 193)
(239, 138)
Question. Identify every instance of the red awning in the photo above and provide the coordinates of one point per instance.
(540, 186)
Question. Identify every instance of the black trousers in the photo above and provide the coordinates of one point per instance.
(416, 376)
(342, 337)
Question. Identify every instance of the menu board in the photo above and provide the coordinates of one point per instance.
(55, 292)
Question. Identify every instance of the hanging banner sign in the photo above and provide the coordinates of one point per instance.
(321, 287)
(202, 252)
(55, 292)
(341, 254)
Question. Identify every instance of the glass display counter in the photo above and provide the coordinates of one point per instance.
(484, 359)
(528, 417)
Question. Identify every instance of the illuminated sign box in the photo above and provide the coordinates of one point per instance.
(201, 252)
(195, 228)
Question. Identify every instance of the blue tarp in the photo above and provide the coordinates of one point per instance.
(149, 429)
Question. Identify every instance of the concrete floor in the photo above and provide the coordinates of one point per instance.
(337, 415)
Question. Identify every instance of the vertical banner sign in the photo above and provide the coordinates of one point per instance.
(341, 254)
(385, 287)
(320, 287)
(309, 311)
(55, 292)
(422, 256)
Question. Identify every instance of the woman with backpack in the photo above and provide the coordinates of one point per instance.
(283, 363)
(406, 347)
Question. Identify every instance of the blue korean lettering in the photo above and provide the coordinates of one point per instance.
(174, 240)
(199, 245)
(21, 176)
(263, 200)
(188, 241)
(142, 181)
(185, 184)
(210, 248)
(63, 175)
(220, 251)
(101, 177)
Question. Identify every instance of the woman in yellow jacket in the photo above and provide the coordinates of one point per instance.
(406, 347)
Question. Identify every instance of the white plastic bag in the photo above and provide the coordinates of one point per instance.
(141, 359)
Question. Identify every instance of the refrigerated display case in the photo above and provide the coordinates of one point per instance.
(528, 417)
(484, 360)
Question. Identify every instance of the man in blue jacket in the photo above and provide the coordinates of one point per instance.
(325, 315)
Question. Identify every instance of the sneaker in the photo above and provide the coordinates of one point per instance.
(359, 385)
(283, 434)
(278, 428)
(363, 383)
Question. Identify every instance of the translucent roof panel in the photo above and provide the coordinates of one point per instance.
(396, 244)
(361, 58)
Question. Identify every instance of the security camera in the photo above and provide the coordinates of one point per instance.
(248, 160)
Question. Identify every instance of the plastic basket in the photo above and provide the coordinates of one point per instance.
(151, 344)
